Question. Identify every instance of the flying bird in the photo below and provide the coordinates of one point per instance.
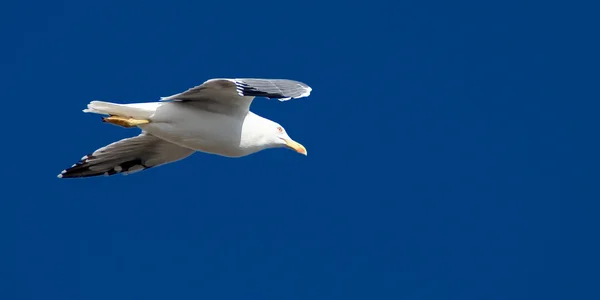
(213, 117)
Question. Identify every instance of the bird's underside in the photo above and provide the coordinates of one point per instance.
(223, 96)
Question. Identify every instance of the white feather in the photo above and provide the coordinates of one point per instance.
(133, 110)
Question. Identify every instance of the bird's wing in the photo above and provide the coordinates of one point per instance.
(238, 93)
(127, 156)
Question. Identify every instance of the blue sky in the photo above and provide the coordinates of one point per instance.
(452, 152)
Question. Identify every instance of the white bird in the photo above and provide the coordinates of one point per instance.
(213, 117)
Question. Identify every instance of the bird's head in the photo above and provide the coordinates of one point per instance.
(278, 137)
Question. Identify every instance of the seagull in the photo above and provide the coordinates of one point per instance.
(213, 118)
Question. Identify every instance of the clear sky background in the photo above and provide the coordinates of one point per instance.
(452, 152)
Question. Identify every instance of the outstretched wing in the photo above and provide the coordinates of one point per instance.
(127, 156)
(281, 89)
(238, 93)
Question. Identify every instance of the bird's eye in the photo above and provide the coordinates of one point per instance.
(279, 129)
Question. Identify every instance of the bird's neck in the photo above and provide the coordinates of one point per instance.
(253, 136)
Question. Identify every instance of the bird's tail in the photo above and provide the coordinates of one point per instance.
(134, 110)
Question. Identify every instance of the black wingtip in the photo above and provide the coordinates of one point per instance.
(83, 168)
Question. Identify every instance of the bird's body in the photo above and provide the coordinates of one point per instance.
(206, 131)
(213, 118)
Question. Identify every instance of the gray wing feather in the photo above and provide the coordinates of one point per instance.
(239, 93)
(210, 90)
(127, 156)
(282, 89)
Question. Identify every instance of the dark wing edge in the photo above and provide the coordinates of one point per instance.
(281, 89)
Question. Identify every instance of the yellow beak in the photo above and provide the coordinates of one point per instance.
(296, 146)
